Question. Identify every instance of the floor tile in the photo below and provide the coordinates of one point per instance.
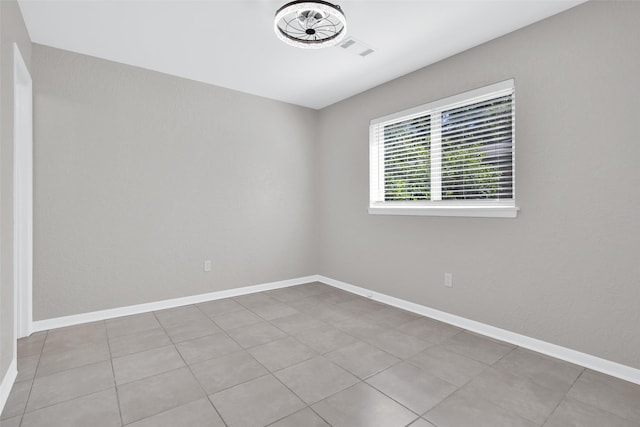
(131, 324)
(150, 396)
(236, 319)
(255, 334)
(391, 317)
(72, 337)
(297, 323)
(31, 345)
(477, 347)
(363, 406)
(359, 327)
(256, 403)
(51, 363)
(304, 418)
(136, 366)
(289, 294)
(361, 305)
(274, 310)
(326, 338)
(316, 288)
(607, 393)
(17, 400)
(195, 328)
(336, 338)
(515, 394)
(67, 385)
(207, 347)
(574, 413)
(218, 307)
(329, 313)
(281, 353)
(198, 413)
(95, 410)
(428, 330)
(27, 367)
(362, 359)
(255, 300)
(227, 371)
(137, 342)
(451, 367)
(179, 315)
(463, 409)
(398, 344)
(12, 422)
(334, 296)
(412, 387)
(315, 379)
(546, 371)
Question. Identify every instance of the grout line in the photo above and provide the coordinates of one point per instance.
(35, 372)
(566, 397)
(413, 421)
(54, 373)
(269, 372)
(272, 373)
(68, 400)
(321, 417)
(69, 369)
(553, 410)
(63, 352)
(188, 366)
(293, 413)
(113, 372)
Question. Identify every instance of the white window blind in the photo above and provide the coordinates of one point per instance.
(454, 156)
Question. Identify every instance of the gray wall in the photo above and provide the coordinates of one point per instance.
(140, 177)
(567, 269)
(12, 30)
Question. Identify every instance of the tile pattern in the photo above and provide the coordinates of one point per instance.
(308, 355)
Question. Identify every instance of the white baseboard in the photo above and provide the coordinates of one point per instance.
(7, 383)
(588, 361)
(76, 319)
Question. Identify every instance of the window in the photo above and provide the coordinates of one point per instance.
(451, 157)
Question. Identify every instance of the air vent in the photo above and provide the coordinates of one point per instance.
(356, 47)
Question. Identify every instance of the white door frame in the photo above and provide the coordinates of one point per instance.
(22, 195)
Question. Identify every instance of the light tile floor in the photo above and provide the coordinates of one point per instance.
(309, 355)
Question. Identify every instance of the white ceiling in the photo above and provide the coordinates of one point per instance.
(232, 43)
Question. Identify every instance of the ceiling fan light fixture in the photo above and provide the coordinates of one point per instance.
(310, 24)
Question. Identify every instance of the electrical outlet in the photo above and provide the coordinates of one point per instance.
(207, 265)
(448, 280)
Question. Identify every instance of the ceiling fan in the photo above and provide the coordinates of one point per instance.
(314, 25)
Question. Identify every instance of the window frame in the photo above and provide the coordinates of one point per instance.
(502, 208)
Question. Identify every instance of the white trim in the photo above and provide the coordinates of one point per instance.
(617, 370)
(608, 367)
(76, 319)
(436, 156)
(7, 383)
(468, 211)
(469, 97)
(22, 195)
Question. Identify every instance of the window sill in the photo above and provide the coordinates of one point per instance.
(465, 211)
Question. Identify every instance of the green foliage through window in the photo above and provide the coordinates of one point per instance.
(477, 151)
(407, 160)
(463, 151)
